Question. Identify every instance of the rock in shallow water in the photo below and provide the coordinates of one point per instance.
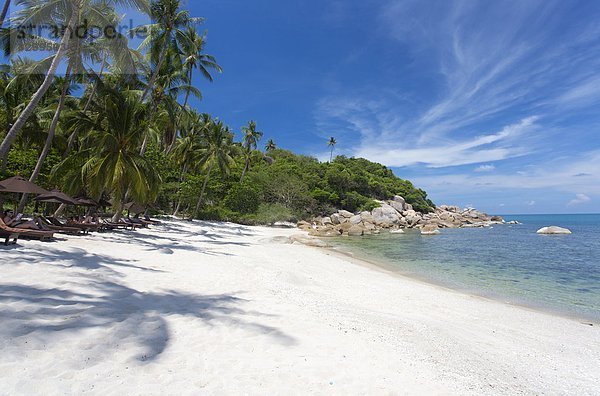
(430, 229)
(554, 230)
(356, 230)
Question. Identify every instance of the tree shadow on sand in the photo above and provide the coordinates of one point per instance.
(169, 237)
(72, 258)
(128, 314)
(93, 297)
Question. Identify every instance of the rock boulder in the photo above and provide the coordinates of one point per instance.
(345, 213)
(356, 230)
(430, 229)
(554, 230)
(385, 216)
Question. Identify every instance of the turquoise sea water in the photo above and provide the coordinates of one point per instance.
(557, 273)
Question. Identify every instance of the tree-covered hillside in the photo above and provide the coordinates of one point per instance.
(281, 185)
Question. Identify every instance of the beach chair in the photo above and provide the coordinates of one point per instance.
(152, 221)
(85, 228)
(138, 221)
(61, 228)
(88, 227)
(117, 226)
(131, 224)
(7, 235)
(27, 233)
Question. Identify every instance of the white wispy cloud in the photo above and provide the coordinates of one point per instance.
(485, 168)
(579, 199)
(381, 136)
(492, 60)
(587, 91)
(559, 174)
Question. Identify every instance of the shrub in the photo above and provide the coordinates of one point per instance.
(320, 195)
(369, 206)
(271, 213)
(354, 201)
(243, 199)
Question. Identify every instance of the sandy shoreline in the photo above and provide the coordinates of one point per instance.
(385, 268)
(224, 309)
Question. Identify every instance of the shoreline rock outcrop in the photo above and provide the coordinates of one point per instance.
(395, 215)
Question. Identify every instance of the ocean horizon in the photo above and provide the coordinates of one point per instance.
(559, 274)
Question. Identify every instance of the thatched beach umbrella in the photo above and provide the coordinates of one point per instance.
(104, 203)
(17, 184)
(133, 207)
(82, 201)
(56, 196)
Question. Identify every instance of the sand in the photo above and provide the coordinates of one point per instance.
(205, 308)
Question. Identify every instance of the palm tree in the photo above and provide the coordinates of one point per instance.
(111, 159)
(189, 146)
(66, 13)
(249, 144)
(166, 36)
(195, 58)
(169, 31)
(332, 142)
(65, 84)
(217, 153)
(19, 80)
(270, 145)
(77, 52)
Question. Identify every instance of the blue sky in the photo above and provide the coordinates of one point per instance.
(492, 104)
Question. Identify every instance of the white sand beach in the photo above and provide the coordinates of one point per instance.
(200, 308)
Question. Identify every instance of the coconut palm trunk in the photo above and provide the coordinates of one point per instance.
(178, 207)
(246, 168)
(74, 135)
(201, 197)
(37, 96)
(161, 60)
(149, 87)
(118, 210)
(187, 93)
(49, 138)
(4, 12)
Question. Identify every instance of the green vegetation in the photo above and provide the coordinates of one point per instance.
(118, 126)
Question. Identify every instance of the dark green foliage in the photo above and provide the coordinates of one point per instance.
(242, 198)
(300, 187)
(271, 213)
(310, 187)
(21, 161)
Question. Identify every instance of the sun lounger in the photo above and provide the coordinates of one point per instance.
(139, 222)
(61, 228)
(27, 233)
(85, 228)
(7, 235)
(121, 225)
(148, 219)
(131, 224)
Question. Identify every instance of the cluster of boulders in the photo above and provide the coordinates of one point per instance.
(396, 215)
